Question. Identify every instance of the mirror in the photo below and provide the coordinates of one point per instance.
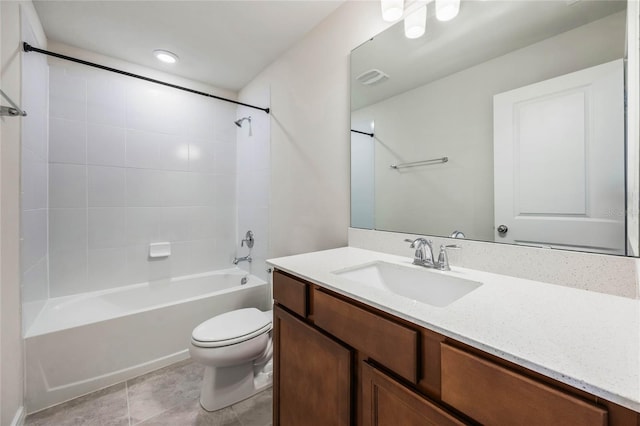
(506, 124)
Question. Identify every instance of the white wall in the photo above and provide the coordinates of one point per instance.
(310, 141)
(34, 175)
(453, 117)
(11, 353)
(310, 146)
(132, 163)
(633, 128)
(254, 172)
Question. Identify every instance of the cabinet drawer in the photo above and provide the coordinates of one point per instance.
(290, 293)
(494, 395)
(385, 402)
(392, 345)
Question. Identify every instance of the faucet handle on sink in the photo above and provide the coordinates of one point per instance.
(443, 257)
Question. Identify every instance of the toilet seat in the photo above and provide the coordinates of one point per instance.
(231, 328)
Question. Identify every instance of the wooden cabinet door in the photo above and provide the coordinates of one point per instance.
(385, 402)
(312, 375)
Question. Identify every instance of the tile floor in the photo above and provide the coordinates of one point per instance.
(166, 397)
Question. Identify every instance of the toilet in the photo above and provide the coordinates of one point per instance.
(236, 350)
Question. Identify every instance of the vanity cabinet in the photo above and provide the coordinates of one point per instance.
(339, 361)
(312, 380)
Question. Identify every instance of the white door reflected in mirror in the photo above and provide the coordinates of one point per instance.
(559, 161)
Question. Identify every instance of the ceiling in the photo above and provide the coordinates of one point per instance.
(222, 43)
(483, 30)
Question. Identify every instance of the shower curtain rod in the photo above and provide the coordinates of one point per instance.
(363, 133)
(28, 48)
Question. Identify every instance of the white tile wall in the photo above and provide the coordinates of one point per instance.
(106, 186)
(254, 174)
(67, 95)
(133, 163)
(67, 229)
(105, 101)
(34, 235)
(68, 271)
(143, 187)
(67, 141)
(34, 178)
(107, 227)
(67, 185)
(106, 145)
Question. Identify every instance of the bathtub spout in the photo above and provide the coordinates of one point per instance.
(246, 258)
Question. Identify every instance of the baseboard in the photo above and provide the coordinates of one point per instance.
(18, 419)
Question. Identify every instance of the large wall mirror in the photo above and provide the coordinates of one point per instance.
(505, 124)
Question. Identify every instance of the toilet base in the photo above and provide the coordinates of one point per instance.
(225, 386)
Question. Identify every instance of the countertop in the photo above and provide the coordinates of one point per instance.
(588, 340)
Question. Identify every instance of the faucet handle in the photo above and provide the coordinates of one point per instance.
(443, 257)
(419, 242)
(248, 238)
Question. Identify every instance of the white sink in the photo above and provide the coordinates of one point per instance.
(415, 282)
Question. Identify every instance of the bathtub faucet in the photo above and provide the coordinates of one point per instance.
(246, 258)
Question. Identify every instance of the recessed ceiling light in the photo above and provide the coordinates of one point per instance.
(165, 56)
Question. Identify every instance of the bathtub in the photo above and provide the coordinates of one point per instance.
(81, 343)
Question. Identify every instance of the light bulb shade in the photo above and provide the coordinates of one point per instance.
(446, 10)
(392, 10)
(415, 24)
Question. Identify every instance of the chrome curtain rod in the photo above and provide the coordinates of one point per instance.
(28, 48)
(362, 133)
(420, 163)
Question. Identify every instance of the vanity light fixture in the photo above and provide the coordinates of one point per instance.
(416, 23)
(165, 56)
(415, 14)
(446, 10)
(392, 10)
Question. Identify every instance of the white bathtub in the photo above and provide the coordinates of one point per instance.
(82, 343)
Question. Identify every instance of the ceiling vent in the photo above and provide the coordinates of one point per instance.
(372, 76)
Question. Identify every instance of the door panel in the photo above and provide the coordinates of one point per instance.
(559, 161)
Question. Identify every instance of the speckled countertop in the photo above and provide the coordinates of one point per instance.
(588, 340)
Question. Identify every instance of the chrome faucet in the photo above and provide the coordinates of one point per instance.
(250, 240)
(424, 252)
(246, 258)
(443, 258)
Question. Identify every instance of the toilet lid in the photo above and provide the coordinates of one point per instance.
(232, 327)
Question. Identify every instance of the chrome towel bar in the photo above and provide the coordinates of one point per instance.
(420, 163)
(12, 111)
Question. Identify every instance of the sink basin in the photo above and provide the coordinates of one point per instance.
(417, 283)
